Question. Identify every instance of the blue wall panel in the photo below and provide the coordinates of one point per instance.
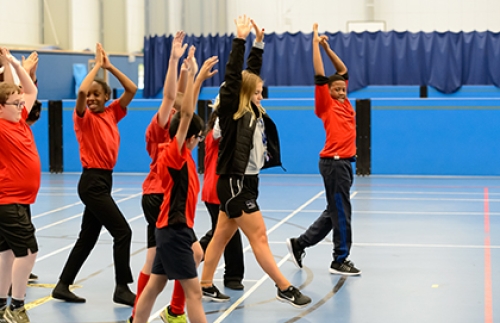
(436, 137)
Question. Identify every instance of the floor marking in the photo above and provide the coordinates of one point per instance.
(317, 305)
(277, 225)
(65, 207)
(80, 214)
(488, 293)
(46, 299)
(248, 293)
(55, 252)
(254, 287)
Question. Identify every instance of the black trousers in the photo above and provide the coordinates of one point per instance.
(338, 178)
(233, 254)
(101, 210)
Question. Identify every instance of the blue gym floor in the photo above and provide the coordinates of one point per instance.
(427, 246)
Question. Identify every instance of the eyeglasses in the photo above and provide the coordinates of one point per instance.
(19, 104)
(200, 137)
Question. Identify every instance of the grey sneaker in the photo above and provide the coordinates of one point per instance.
(344, 268)
(296, 251)
(293, 296)
(213, 294)
(18, 315)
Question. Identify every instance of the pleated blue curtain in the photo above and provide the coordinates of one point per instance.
(445, 61)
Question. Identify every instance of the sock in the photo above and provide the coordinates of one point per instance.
(16, 303)
(3, 302)
(142, 281)
(178, 299)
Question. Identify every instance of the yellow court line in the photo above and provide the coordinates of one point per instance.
(45, 299)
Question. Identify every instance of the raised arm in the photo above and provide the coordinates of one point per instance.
(81, 100)
(4, 62)
(30, 64)
(254, 60)
(319, 68)
(205, 73)
(187, 106)
(129, 86)
(30, 90)
(169, 88)
(336, 61)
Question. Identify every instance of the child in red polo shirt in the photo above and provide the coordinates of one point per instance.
(96, 128)
(337, 114)
(20, 173)
(178, 252)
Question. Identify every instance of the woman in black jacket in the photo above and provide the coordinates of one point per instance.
(249, 143)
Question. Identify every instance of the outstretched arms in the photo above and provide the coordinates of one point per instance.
(80, 105)
(128, 85)
(206, 72)
(336, 61)
(170, 86)
(30, 90)
(187, 107)
(319, 68)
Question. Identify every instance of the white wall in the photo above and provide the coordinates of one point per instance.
(216, 16)
(19, 22)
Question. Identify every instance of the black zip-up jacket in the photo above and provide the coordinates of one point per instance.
(237, 135)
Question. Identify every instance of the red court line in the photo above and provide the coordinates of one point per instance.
(488, 294)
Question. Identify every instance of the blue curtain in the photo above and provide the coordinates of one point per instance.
(445, 61)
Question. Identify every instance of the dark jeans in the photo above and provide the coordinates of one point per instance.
(338, 178)
(233, 254)
(101, 210)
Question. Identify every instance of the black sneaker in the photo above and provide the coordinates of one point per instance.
(344, 268)
(213, 294)
(296, 251)
(33, 278)
(293, 296)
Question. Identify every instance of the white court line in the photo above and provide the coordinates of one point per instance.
(288, 217)
(423, 193)
(403, 245)
(247, 294)
(80, 214)
(65, 207)
(424, 199)
(260, 281)
(254, 287)
(71, 245)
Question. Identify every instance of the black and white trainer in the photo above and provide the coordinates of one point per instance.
(293, 296)
(296, 252)
(213, 294)
(344, 268)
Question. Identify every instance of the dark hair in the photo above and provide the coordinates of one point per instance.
(35, 112)
(195, 126)
(104, 85)
(335, 77)
(211, 120)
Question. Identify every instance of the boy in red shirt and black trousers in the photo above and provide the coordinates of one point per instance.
(176, 243)
(337, 114)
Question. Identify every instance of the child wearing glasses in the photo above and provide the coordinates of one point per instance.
(96, 128)
(178, 252)
(20, 174)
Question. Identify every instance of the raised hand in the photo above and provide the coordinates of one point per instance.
(242, 26)
(106, 63)
(324, 42)
(190, 61)
(98, 54)
(8, 58)
(259, 33)
(177, 48)
(30, 64)
(316, 37)
(206, 69)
